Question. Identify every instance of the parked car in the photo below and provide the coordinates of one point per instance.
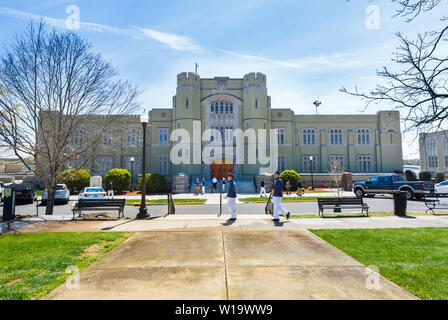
(24, 192)
(62, 194)
(390, 183)
(441, 188)
(90, 193)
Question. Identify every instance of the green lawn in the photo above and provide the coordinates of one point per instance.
(32, 265)
(415, 259)
(285, 199)
(165, 201)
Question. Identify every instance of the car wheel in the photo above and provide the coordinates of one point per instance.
(359, 193)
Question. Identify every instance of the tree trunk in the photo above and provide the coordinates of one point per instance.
(50, 203)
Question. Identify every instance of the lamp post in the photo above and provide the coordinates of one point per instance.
(311, 168)
(143, 212)
(132, 174)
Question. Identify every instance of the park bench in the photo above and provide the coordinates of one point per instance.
(433, 204)
(342, 203)
(99, 205)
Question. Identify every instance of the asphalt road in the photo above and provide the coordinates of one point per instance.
(375, 204)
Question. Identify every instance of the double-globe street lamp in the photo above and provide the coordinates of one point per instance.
(143, 211)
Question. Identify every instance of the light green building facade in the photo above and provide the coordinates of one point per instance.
(362, 143)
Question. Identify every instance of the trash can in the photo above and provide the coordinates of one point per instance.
(400, 203)
(9, 205)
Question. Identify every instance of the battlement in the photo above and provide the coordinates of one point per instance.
(255, 77)
(188, 77)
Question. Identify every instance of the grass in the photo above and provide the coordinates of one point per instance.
(32, 265)
(165, 201)
(415, 259)
(285, 199)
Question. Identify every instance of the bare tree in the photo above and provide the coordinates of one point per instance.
(51, 83)
(419, 89)
(337, 173)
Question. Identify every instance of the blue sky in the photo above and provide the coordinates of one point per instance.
(308, 49)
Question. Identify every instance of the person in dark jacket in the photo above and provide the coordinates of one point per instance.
(231, 196)
(278, 197)
(110, 190)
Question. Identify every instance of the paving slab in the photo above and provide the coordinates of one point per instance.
(167, 249)
(180, 283)
(282, 249)
(308, 283)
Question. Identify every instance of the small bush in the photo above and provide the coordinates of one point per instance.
(440, 177)
(75, 180)
(410, 175)
(293, 177)
(425, 176)
(120, 178)
(155, 183)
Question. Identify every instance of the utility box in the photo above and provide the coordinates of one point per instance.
(9, 205)
(347, 182)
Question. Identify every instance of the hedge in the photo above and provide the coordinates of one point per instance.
(75, 180)
(293, 177)
(155, 183)
(120, 178)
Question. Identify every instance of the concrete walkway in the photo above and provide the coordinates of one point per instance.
(264, 222)
(222, 265)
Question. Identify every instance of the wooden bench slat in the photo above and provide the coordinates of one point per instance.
(332, 203)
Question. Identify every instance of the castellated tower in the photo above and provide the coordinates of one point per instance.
(187, 109)
(256, 113)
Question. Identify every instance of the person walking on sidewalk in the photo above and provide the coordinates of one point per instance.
(231, 197)
(263, 189)
(214, 185)
(203, 186)
(197, 187)
(288, 187)
(110, 191)
(277, 199)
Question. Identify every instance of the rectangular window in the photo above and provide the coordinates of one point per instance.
(363, 136)
(365, 163)
(76, 163)
(187, 104)
(433, 162)
(256, 103)
(163, 136)
(337, 162)
(103, 165)
(281, 136)
(309, 136)
(107, 138)
(336, 136)
(135, 168)
(133, 137)
(281, 163)
(163, 164)
(307, 163)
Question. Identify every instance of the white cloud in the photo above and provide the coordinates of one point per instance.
(174, 41)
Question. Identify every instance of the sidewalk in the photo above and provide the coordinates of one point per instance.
(262, 265)
(244, 223)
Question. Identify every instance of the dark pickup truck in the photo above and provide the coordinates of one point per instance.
(390, 183)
